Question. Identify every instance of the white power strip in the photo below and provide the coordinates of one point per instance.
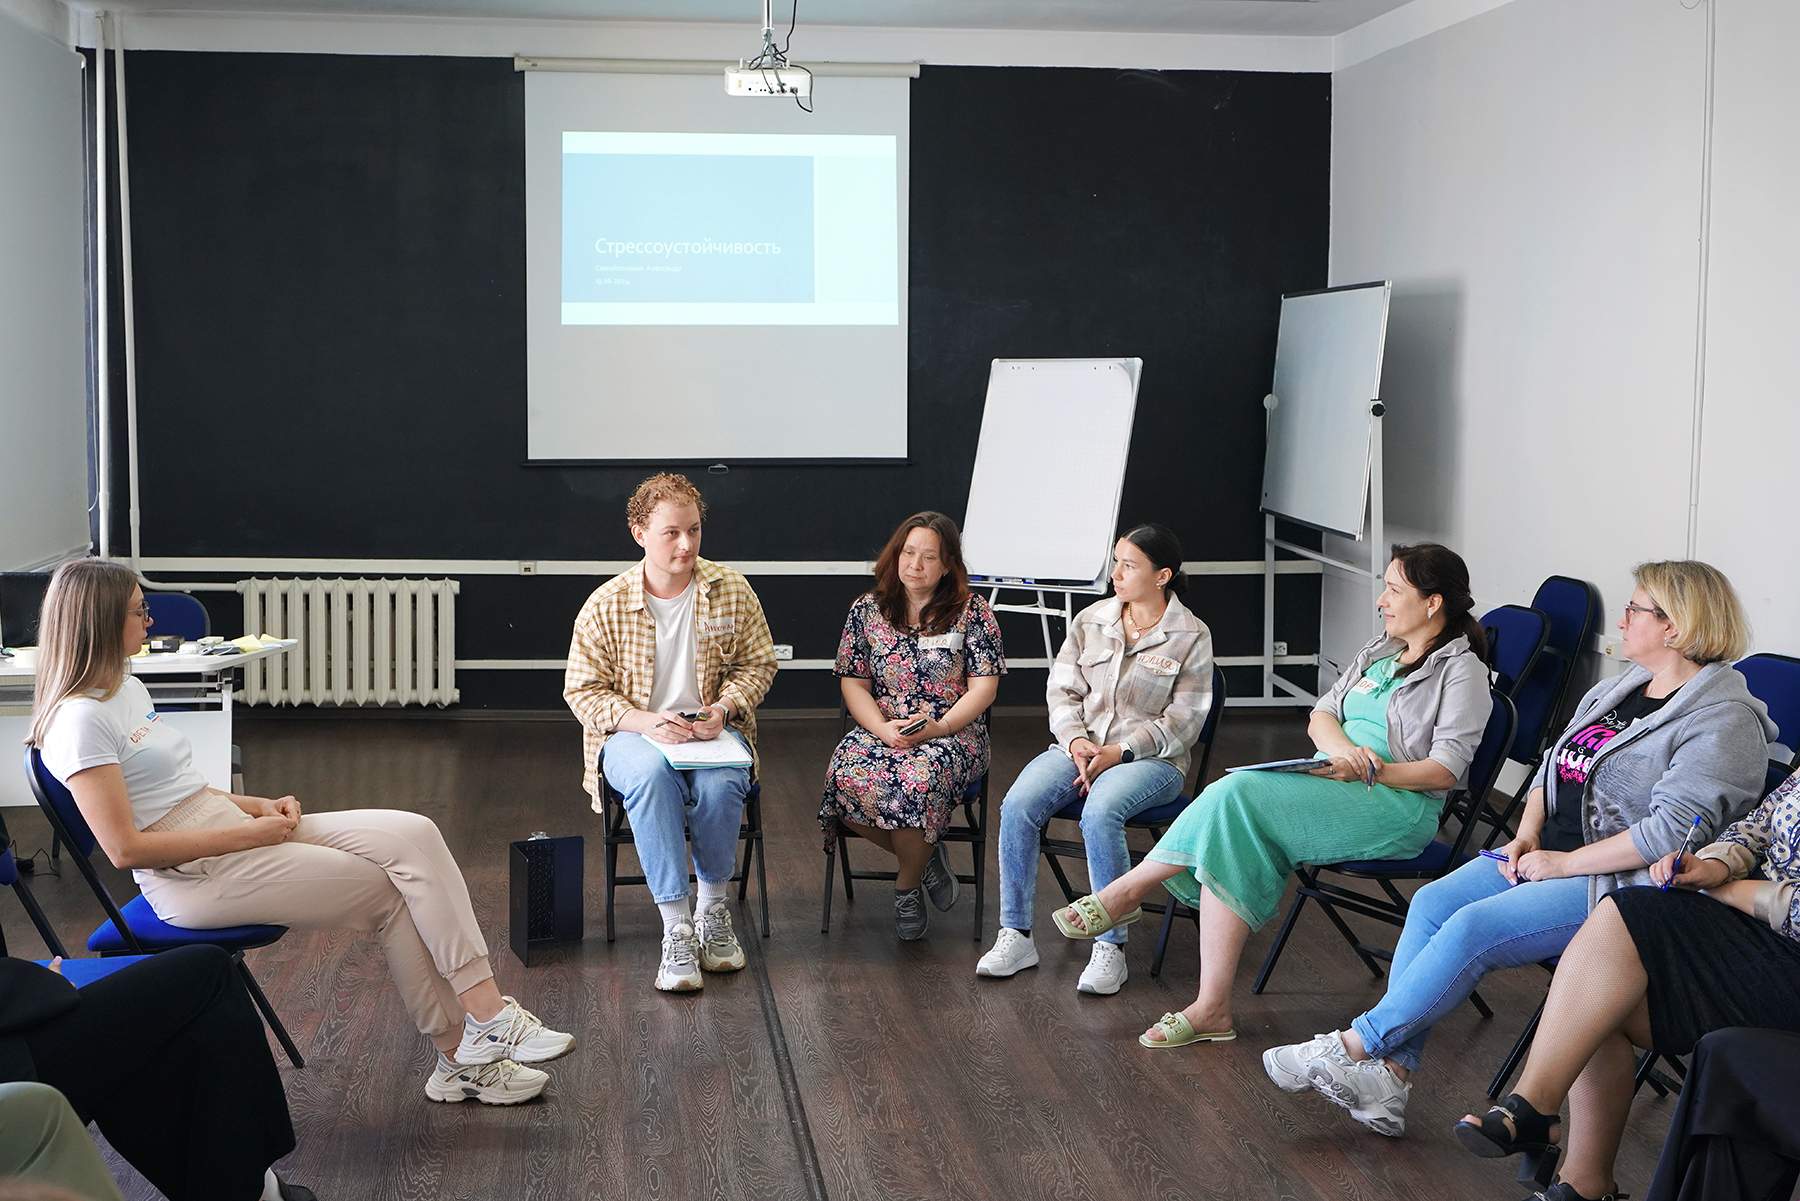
(767, 81)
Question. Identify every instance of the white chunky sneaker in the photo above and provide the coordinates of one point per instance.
(1287, 1065)
(502, 1082)
(515, 1033)
(680, 967)
(1011, 954)
(719, 949)
(1369, 1090)
(1105, 971)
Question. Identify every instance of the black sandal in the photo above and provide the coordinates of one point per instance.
(1528, 1134)
(1560, 1191)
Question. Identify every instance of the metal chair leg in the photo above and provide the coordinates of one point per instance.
(1509, 1065)
(1287, 928)
(1162, 938)
(843, 844)
(612, 884)
(762, 879)
(268, 1011)
(825, 907)
(978, 849)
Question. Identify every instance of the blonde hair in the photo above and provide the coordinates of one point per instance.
(663, 486)
(81, 636)
(1709, 620)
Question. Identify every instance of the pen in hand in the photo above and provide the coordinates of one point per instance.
(1675, 870)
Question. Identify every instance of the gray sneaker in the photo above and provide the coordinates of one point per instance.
(1369, 1090)
(910, 918)
(940, 882)
(1287, 1066)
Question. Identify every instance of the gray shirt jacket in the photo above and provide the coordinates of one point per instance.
(1152, 696)
(1704, 754)
(1439, 711)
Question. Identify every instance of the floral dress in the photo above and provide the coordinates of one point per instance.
(871, 783)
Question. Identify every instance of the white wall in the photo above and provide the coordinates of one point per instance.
(1531, 179)
(43, 426)
(1749, 509)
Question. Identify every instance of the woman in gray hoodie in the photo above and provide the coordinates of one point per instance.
(1673, 743)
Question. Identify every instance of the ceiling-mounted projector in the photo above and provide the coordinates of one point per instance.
(770, 73)
(785, 80)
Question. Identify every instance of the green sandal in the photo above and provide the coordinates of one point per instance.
(1095, 920)
(1179, 1032)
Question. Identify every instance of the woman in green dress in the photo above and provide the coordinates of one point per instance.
(1393, 735)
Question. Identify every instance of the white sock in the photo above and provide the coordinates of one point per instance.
(710, 892)
(271, 1186)
(673, 912)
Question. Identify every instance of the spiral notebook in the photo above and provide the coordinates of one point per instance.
(722, 751)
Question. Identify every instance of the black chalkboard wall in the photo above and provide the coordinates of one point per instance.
(329, 259)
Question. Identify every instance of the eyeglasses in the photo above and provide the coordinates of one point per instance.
(142, 612)
(1631, 608)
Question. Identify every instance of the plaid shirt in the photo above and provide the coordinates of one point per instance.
(612, 657)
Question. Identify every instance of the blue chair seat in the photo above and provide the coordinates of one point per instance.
(1156, 815)
(158, 935)
(83, 972)
(1432, 862)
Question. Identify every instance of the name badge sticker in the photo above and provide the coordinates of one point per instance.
(953, 641)
(717, 626)
(1365, 685)
(1158, 665)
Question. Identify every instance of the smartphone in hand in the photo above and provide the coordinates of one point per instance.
(913, 727)
(696, 715)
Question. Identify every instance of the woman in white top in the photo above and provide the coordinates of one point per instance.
(205, 859)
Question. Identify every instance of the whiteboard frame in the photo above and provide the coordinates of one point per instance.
(1133, 368)
(1271, 450)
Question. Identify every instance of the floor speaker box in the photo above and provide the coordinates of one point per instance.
(545, 904)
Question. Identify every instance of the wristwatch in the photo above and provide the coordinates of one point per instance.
(1125, 754)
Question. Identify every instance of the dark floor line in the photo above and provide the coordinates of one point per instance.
(799, 1125)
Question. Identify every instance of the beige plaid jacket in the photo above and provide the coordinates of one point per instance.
(612, 657)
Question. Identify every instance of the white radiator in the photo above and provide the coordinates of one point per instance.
(362, 642)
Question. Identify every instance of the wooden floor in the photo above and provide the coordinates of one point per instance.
(842, 1066)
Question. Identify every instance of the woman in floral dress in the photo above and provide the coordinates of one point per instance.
(919, 664)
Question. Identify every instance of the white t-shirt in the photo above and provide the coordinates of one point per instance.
(676, 645)
(156, 758)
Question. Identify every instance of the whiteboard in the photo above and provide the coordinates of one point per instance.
(1050, 465)
(1327, 374)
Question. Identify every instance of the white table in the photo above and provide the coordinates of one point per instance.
(192, 692)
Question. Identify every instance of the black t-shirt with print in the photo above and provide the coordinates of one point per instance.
(1575, 761)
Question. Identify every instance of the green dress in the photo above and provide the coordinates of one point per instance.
(1245, 833)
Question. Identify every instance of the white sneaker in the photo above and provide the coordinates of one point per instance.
(680, 967)
(502, 1082)
(1011, 954)
(1370, 1090)
(719, 949)
(515, 1034)
(1287, 1066)
(1105, 971)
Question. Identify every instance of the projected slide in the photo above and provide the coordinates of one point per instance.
(729, 229)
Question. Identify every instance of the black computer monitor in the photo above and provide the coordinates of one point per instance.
(21, 601)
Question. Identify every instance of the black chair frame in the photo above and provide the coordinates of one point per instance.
(972, 829)
(617, 833)
(134, 946)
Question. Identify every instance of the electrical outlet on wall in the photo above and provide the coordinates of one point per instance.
(1280, 649)
(783, 652)
(527, 566)
(1609, 647)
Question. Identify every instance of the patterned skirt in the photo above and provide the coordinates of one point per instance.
(872, 784)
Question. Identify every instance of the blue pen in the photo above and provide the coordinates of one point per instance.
(1502, 856)
(1679, 855)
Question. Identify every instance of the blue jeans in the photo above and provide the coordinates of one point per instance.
(709, 801)
(1045, 786)
(1458, 929)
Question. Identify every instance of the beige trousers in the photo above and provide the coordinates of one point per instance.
(381, 870)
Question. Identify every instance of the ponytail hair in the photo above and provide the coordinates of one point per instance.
(1163, 549)
(1439, 571)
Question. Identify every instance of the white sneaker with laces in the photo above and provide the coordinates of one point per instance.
(515, 1033)
(680, 967)
(1105, 972)
(719, 949)
(1370, 1090)
(1011, 954)
(501, 1082)
(1287, 1066)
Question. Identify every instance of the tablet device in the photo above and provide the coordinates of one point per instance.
(1301, 765)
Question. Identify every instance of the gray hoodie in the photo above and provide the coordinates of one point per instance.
(1438, 712)
(1703, 754)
